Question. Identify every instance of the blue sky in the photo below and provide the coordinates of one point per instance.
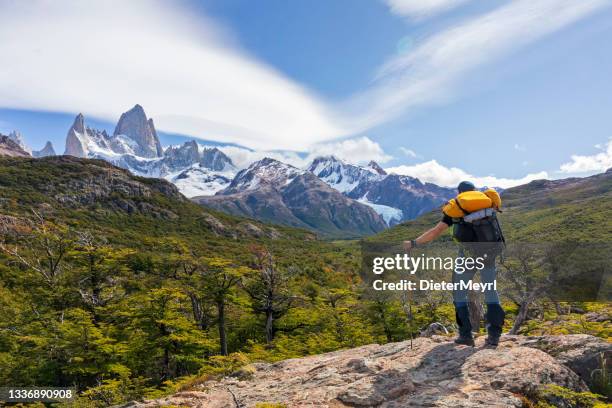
(439, 89)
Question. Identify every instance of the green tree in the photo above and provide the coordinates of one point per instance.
(218, 278)
(41, 247)
(267, 286)
(164, 342)
(97, 268)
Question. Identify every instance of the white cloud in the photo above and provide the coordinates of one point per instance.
(359, 150)
(433, 172)
(409, 152)
(429, 73)
(519, 147)
(243, 157)
(598, 162)
(419, 9)
(103, 56)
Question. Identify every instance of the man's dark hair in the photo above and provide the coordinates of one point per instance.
(466, 186)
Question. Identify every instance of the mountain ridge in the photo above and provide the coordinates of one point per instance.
(397, 198)
(272, 191)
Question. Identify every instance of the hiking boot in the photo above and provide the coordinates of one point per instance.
(464, 340)
(492, 341)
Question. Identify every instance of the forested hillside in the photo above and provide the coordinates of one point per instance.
(120, 286)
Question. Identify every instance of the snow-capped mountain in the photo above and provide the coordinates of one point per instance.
(47, 150)
(134, 135)
(396, 198)
(9, 147)
(135, 146)
(276, 192)
(265, 172)
(139, 133)
(342, 176)
(331, 187)
(16, 137)
(200, 181)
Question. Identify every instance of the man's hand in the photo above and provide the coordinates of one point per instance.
(407, 246)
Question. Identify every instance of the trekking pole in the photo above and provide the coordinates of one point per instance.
(410, 316)
(406, 301)
(411, 320)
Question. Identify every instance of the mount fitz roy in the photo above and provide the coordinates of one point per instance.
(328, 195)
(134, 145)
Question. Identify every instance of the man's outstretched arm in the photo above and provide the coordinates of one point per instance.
(428, 235)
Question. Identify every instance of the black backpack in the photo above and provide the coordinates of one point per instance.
(484, 230)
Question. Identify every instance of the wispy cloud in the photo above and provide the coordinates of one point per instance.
(419, 9)
(598, 162)
(519, 147)
(433, 172)
(429, 74)
(409, 152)
(103, 56)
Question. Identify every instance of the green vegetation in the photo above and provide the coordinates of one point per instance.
(121, 287)
(552, 396)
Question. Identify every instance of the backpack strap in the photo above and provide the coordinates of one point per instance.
(460, 207)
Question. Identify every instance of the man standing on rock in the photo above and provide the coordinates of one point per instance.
(473, 217)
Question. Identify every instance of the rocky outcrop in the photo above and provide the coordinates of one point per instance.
(376, 167)
(9, 147)
(46, 151)
(433, 373)
(135, 125)
(97, 184)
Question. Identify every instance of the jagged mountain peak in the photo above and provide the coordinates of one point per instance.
(79, 123)
(134, 135)
(265, 172)
(376, 167)
(17, 137)
(215, 159)
(342, 176)
(327, 161)
(9, 147)
(136, 126)
(47, 150)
